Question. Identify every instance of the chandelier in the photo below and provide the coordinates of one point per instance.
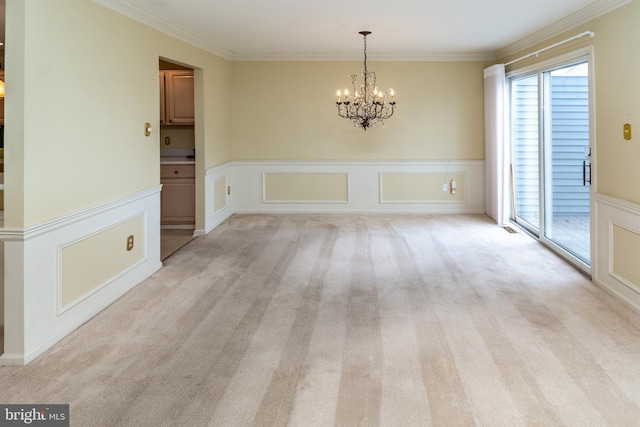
(366, 105)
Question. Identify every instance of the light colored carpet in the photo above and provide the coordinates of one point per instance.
(350, 321)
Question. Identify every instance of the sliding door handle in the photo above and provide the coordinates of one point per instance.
(584, 173)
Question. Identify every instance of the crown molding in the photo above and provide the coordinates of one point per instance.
(382, 57)
(127, 9)
(589, 13)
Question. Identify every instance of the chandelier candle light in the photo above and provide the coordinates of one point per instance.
(366, 105)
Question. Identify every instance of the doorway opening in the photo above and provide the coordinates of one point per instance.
(177, 156)
(551, 149)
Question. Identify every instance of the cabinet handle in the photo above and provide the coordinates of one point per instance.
(175, 172)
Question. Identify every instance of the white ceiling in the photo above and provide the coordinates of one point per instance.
(247, 29)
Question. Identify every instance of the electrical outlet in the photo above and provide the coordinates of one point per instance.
(130, 243)
(445, 188)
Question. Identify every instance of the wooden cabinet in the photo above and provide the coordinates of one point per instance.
(178, 196)
(176, 97)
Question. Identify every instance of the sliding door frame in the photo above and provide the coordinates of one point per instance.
(560, 61)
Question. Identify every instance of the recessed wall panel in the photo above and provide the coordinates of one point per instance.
(220, 194)
(296, 187)
(420, 187)
(91, 262)
(624, 263)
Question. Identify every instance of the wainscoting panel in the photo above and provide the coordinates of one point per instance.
(305, 187)
(624, 257)
(37, 259)
(357, 187)
(617, 241)
(220, 194)
(218, 204)
(91, 262)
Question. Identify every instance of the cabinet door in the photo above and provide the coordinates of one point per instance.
(178, 200)
(179, 97)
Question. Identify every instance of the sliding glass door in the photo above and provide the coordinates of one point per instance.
(551, 173)
(566, 163)
(526, 152)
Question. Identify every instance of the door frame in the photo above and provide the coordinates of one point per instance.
(578, 55)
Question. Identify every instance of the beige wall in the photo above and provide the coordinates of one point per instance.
(286, 111)
(78, 94)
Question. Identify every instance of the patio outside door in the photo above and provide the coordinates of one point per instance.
(551, 163)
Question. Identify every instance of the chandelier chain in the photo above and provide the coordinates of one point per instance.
(365, 54)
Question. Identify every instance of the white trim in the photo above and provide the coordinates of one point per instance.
(589, 13)
(379, 57)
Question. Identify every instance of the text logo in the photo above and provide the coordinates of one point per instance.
(34, 415)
